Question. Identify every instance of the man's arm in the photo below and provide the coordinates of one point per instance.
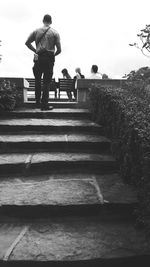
(30, 46)
(58, 51)
(58, 44)
(30, 40)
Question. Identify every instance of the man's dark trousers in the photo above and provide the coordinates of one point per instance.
(43, 66)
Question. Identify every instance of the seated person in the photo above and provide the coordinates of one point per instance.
(105, 76)
(94, 73)
(78, 75)
(66, 75)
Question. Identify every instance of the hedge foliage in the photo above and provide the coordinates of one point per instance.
(10, 95)
(125, 114)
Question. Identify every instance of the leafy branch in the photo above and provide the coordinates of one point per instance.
(144, 37)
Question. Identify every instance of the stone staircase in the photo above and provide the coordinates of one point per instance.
(62, 201)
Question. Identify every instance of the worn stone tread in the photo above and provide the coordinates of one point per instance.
(15, 158)
(72, 239)
(58, 110)
(85, 157)
(47, 122)
(112, 187)
(52, 138)
(114, 190)
(52, 192)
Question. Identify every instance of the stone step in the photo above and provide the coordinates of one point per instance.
(61, 113)
(59, 104)
(104, 196)
(111, 186)
(46, 198)
(46, 162)
(49, 125)
(53, 142)
(72, 242)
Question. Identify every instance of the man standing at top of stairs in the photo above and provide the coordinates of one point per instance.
(46, 39)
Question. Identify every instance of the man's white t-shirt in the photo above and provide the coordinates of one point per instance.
(95, 76)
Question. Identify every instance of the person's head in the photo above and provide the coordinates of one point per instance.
(47, 19)
(104, 76)
(64, 72)
(94, 69)
(78, 70)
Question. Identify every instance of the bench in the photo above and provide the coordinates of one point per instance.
(31, 88)
(64, 85)
(57, 87)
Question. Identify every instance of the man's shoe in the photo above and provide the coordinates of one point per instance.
(38, 105)
(47, 108)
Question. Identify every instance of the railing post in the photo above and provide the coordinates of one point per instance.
(25, 90)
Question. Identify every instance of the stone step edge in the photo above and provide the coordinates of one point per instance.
(51, 128)
(10, 146)
(119, 261)
(53, 111)
(52, 165)
(43, 115)
(106, 211)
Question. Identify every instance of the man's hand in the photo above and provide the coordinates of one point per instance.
(36, 57)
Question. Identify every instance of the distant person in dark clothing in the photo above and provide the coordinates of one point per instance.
(46, 40)
(66, 75)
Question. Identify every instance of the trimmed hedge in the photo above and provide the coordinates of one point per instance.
(10, 96)
(125, 115)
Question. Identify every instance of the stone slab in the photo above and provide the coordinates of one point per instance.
(114, 190)
(36, 138)
(51, 193)
(111, 186)
(47, 122)
(15, 158)
(58, 110)
(71, 157)
(53, 138)
(75, 239)
(8, 159)
(8, 233)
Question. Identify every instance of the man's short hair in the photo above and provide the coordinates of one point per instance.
(47, 18)
(94, 68)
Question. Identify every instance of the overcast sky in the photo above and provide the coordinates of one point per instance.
(92, 32)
